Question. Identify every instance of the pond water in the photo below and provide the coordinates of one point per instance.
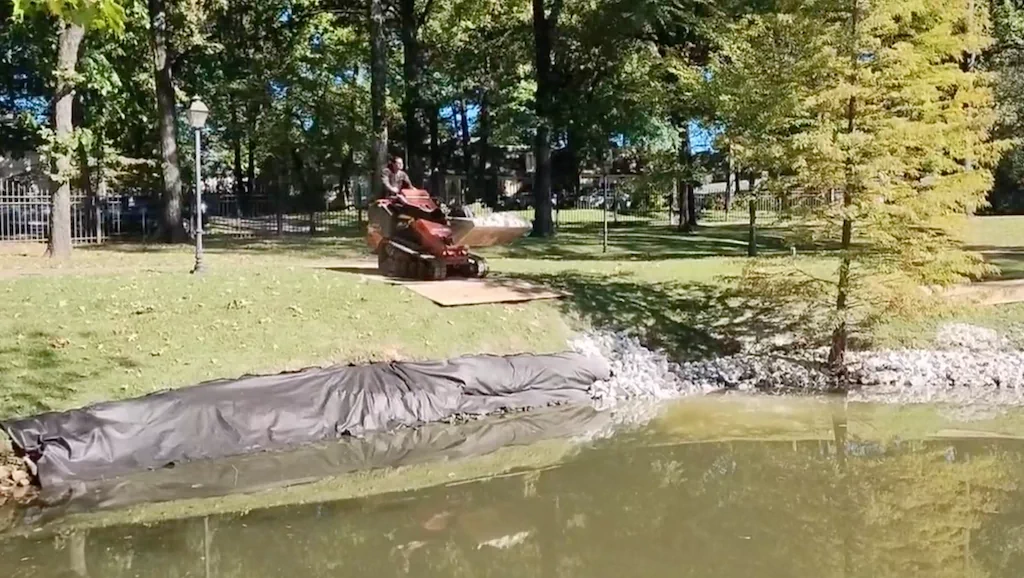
(720, 488)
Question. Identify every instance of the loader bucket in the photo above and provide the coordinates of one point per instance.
(467, 232)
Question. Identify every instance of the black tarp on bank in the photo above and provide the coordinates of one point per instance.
(312, 463)
(237, 417)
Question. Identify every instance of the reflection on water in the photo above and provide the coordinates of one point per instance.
(825, 502)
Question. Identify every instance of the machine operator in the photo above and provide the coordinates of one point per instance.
(394, 177)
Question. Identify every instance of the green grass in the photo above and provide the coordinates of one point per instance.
(69, 340)
(124, 320)
(1001, 241)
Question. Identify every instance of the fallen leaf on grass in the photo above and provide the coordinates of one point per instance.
(60, 343)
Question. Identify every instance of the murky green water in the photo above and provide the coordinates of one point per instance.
(712, 489)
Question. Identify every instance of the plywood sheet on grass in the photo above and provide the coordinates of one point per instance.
(461, 292)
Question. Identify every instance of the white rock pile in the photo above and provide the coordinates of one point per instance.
(511, 220)
(638, 373)
(956, 376)
(969, 365)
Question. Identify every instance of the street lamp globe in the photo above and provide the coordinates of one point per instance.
(197, 114)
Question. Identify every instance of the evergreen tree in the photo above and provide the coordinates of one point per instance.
(888, 115)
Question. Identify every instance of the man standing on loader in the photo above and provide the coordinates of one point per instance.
(394, 177)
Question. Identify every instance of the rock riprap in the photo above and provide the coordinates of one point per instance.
(969, 365)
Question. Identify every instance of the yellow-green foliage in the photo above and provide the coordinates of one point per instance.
(878, 99)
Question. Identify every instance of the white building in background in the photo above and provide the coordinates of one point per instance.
(27, 168)
(20, 167)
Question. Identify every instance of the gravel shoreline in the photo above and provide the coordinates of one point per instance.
(968, 365)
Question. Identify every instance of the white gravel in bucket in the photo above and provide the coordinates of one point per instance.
(510, 220)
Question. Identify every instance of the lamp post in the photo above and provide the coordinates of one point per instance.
(197, 115)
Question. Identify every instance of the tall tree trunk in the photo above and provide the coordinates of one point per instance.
(237, 187)
(436, 176)
(681, 203)
(837, 353)
(306, 189)
(488, 187)
(494, 189)
(412, 70)
(967, 65)
(378, 97)
(686, 218)
(730, 181)
(544, 25)
(752, 229)
(171, 226)
(573, 152)
(347, 165)
(467, 155)
(250, 177)
(68, 43)
(543, 223)
(691, 206)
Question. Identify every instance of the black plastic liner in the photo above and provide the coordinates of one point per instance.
(313, 463)
(253, 414)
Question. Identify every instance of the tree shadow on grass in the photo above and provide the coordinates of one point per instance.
(39, 375)
(335, 243)
(627, 242)
(642, 243)
(1010, 260)
(688, 320)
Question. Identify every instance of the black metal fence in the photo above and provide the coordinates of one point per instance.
(25, 212)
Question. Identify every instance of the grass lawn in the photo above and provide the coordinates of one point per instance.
(124, 320)
(1001, 240)
(68, 340)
